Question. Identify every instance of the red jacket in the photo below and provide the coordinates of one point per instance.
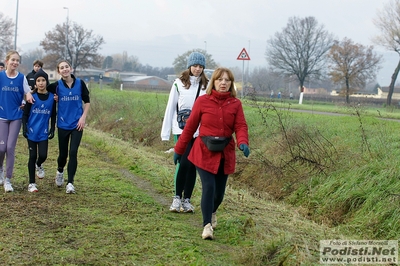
(220, 115)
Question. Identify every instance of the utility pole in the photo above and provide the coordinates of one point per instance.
(16, 27)
(243, 56)
(66, 35)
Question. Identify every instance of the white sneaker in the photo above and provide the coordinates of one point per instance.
(59, 179)
(70, 189)
(7, 185)
(40, 171)
(176, 204)
(214, 220)
(187, 206)
(1, 177)
(32, 188)
(208, 232)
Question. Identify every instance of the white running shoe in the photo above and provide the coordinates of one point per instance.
(1, 177)
(7, 185)
(208, 232)
(32, 188)
(176, 204)
(214, 220)
(70, 189)
(59, 179)
(40, 171)
(187, 206)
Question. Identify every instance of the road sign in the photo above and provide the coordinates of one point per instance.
(243, 55)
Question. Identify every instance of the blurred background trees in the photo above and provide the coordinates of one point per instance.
(6, 35)
(352, 65)
(80, 47)
(388, 22)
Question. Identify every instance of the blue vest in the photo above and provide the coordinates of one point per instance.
(69, 105)
(11, 96)
(39, 117)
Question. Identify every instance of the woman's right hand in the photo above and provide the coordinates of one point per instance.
(177, 158)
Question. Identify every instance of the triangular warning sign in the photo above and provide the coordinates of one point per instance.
(243, 55)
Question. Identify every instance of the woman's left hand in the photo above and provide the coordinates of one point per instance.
(81, 123)
(245, 149)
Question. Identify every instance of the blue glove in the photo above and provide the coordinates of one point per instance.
(245, 149)
(177, 158)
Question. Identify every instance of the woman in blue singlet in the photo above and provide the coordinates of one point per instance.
(73, 107)
(13, 88)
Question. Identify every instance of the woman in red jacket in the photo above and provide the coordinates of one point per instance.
(219, 114)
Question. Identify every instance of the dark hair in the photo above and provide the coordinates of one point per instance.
(38, 62)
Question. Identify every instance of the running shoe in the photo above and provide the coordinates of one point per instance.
(176, 204)
(59, 179)
(208, 232)
(186, 206)
(32, 188)
(7, 185)
(70, 189)
(40, 171)
(214, 220)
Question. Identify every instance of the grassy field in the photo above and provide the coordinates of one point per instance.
(309, 177)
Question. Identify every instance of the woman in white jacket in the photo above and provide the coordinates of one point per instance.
(184, 91)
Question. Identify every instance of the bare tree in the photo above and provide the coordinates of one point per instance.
(180, 61)
(236, 71)
(123, 62)
(6, 35)
(388, 22)
(132, 62)
(29, 57)
(352, 65)
(299, 50)
(118, 61)
(81, 50)
(263, 79)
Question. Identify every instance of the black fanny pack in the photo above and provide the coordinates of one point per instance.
(216, 143)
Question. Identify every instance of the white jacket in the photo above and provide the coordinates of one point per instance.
(185, 99)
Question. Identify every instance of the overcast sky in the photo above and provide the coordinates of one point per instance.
(156, 31)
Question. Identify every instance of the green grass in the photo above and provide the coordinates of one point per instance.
(392, 112)
(274, 213)
(119, 217)
(347, 148)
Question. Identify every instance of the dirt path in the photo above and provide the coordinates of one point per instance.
(147, 187)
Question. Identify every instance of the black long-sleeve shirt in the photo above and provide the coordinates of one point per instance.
(85, 92)
(31, 79)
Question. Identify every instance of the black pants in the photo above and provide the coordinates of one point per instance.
(37, 155)
(73, 139)
(185, 174)
(213, 191)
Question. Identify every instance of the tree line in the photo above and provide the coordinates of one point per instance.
(302, 51)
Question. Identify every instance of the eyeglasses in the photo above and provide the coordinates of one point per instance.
(226, 80)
